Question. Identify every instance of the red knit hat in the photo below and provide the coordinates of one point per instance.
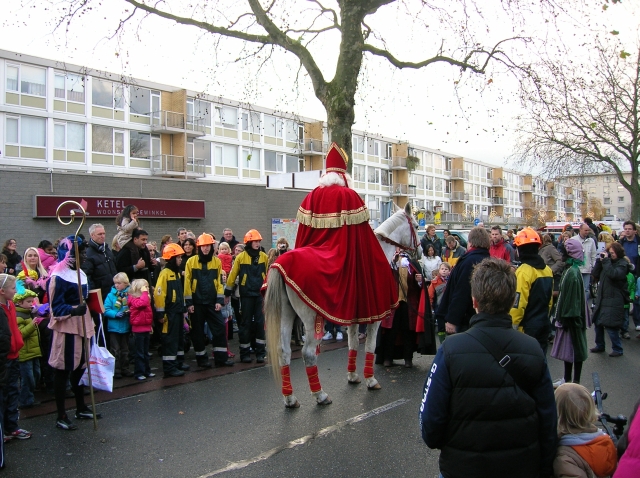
(337, 159)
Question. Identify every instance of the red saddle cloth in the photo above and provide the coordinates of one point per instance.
(338, 267)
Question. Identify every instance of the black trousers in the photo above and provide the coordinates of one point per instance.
(173, 342)
(206, 313)
(251, 326)
(400, 327)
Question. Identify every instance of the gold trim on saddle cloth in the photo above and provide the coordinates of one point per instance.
(323, 312)
(332, 219)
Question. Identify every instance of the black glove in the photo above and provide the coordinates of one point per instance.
(80, 310)
(228, 292)
(120, 314)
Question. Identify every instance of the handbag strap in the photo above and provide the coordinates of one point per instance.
(503, 359)
(101, 331)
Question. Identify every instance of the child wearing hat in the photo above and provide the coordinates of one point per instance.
(30, 353)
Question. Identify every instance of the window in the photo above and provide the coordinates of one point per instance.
(357, 144)
(385, 177)
(201, 152)
(251, 159)
(107, 94)
(608, 211)
(273, 126)
(388, 151)
(291, 131)
(33, 81)
(69, 136)
(358, 173)
(26, 131)
(12, 78)
(621, 210)
(139, 145)
(273, 161)
(374, 175)
(199, 109)
(227, 117)
(144, 101)
(605, 190)
(107, 140)
(226, 155)
(293, 164)
(69, 87)
(251, 122)
(607, 200)
(620, 198)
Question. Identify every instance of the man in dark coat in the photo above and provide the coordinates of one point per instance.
(431, 239)
(490, 416)
(229, 238)
(456, 308)
(134, 258)
(100, 266)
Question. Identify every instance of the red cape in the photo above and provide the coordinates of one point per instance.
(338, 267)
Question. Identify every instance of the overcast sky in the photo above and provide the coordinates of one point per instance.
(419, 106)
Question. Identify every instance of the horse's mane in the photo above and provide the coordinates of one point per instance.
(390, 225)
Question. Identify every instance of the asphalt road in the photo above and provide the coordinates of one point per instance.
(236, 426)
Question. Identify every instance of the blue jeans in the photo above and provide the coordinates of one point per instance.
(586, 279)
(29, 377)
(625, 326)
(11, 391)
(636, 312)
(616, 343)
(142, 366)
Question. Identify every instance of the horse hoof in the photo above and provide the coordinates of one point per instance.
(354, 382)
(293, 405)
(377, 386)
(326, 401)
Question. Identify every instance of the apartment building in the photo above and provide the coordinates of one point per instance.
(615, 199)
(71, 131)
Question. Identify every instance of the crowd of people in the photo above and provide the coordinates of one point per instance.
(506, 286)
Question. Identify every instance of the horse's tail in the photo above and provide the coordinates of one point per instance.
(272, 318)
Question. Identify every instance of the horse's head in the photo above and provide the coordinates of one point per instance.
(400, 230)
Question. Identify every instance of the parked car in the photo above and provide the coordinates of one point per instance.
(460, 234)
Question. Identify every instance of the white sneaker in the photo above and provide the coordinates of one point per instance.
(638, 328)
(558, 382)
(339, 336)
(327, 336)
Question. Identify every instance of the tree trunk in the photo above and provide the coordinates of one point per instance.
(634, 190)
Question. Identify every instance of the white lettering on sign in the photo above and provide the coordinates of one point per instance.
(113, 203)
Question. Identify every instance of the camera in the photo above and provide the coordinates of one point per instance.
(604, 255)
(282, 247)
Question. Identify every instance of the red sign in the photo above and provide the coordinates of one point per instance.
(46, 206)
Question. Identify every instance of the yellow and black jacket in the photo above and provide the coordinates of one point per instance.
(203, 282)
(251, 273)
(168, 296)
(534, 298)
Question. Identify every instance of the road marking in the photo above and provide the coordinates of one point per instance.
(238, 465)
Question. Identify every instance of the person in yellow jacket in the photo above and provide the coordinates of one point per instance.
(204, 297)
(534, 289)
(170, 309)
(250, 268)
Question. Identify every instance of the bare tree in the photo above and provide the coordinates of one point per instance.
(593, 208)
(295, 27)
(583, 117)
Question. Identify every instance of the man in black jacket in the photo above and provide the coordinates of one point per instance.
(490, 416)
(100, 266)
(431, 239)
(456, 308)
(134, 258)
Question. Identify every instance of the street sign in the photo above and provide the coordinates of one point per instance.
(422, 223)
(476, 221)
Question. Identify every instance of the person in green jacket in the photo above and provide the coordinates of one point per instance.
(570, 344)
(631, 286)
(30, 353)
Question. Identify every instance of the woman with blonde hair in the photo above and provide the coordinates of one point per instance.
(33, 273)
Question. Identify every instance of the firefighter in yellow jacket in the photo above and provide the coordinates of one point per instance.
(534, 289)
(170, 309)
(250, 268)
(204, 297)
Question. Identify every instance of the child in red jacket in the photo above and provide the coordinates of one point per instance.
(141, 318)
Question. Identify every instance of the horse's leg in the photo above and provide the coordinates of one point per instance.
(308, 317)
(352, 375)
(288, 317)
(369, 348)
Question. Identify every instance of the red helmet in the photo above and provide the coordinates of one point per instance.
(252, 235)
(527, 236)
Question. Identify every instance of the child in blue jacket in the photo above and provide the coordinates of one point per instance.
(116, 309)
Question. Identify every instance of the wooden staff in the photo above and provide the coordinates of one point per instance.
(80, 210)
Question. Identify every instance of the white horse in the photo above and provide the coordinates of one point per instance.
(281, 304)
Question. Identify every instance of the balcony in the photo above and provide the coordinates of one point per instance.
(570, 210)
(168, 165)
(570, 197)
(451, 217)
(460, 174)
(496, 201)
(399, 162)
(458, 196)
(499, 182)
(314, 147)
(170, 122)
(527, 188)
(403, 190)
(195, 126)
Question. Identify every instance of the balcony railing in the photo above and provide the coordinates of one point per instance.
(167, 120)
(570, 209)
(403, 190)
(570, 197)
(399, 162)
(497, 201)
(460, 174)
(499, 182)
(195, 125)
(451, 217)
(527, 188)
(175, 166)
(459, 196)
(314, 147)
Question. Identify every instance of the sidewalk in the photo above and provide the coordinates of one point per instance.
(126, 387)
